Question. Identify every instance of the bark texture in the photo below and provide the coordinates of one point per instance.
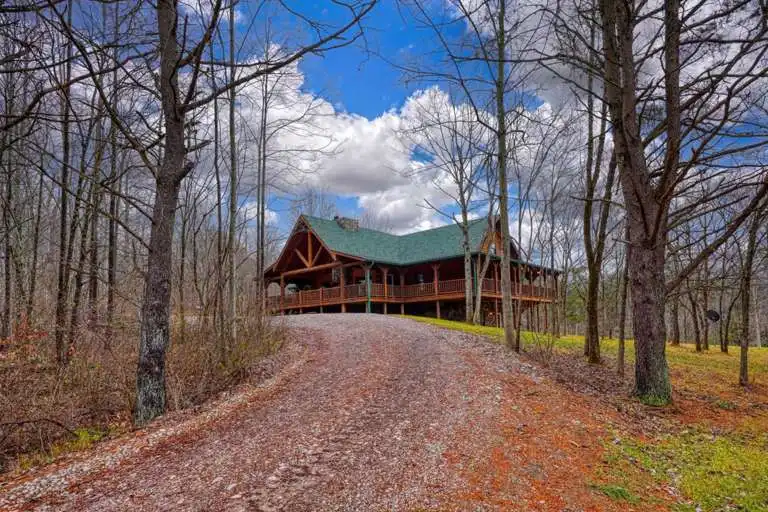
(155, 311)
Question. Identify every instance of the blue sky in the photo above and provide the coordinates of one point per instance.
(366, 103)
(361, 81)
(358, 79)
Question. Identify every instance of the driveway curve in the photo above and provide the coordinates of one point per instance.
(372, 413)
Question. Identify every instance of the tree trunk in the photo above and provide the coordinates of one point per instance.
(74, 322)
(592, 334)
(468, 277)
(62, 291)
(479, 297)
(262, 194)
(93, 263)
(115, 181)
(746, 297)
(705, 299)
(695, 320)
(94, 207)
(728, 318)
(5, 321)
(233, 186)
(721, 305)
(114, 212)
(646, 274)
(675, 320)
(594, 249)
(155, 310)
(182, 278)
(646, 210)
(510, 339)
(623, 309)
(35, 249)
(756, 309)
(218, 310)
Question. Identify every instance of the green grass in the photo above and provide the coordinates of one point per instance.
(682, 358)
(616, 492)
(716, 469)
(725, 472)
(495, 333)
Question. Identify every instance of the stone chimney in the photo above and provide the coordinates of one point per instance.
(347, 224)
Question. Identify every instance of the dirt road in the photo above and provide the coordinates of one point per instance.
(372, 413)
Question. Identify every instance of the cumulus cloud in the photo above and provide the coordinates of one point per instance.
(313, 143)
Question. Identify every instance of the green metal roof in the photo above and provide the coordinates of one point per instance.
(433, 244)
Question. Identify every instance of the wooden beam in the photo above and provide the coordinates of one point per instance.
(302, 258)
(317, 255)
(309, 249)
(312, 269)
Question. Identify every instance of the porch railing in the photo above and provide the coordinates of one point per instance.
(358, 292)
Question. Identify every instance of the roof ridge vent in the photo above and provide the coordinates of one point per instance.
(347, 223)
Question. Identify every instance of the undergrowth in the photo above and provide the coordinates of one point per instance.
(46, 411)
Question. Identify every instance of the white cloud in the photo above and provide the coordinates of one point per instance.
(313, 143)
(250, 209)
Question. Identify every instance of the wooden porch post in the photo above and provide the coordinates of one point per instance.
(342, 292)
(384, 271)
(402, 284)
(282, 294)
(367, 288)
(496, 318)
(496, 278)
(435, 280)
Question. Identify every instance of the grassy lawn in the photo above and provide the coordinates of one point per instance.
(713, 447)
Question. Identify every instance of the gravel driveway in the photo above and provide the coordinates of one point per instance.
(372, 413)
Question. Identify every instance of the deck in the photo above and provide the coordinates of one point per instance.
(386, 293)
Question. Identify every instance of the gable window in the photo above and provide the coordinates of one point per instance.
(492, 249)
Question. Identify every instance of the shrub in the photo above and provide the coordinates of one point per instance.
(47, 410)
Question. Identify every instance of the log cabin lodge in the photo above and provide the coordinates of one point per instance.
(337, 266)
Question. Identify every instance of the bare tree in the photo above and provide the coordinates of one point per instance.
(448, 133)
(649, 184)
(755, 223)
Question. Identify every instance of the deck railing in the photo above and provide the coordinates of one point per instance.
(450, 287)
(491, 286)
(358, 292)
(417, 290)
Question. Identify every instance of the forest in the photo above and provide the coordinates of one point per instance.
(153, 156)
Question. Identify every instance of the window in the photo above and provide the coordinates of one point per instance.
(492, 249)
(420, 278)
